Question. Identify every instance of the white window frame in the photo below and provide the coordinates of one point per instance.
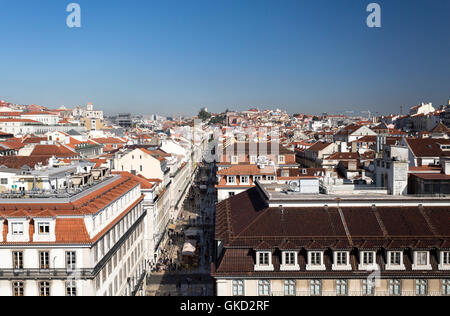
(343, 267)
(315, 287)
(245, 177)
(420, 285)
(341, 287)
(44, 224)
(264, 288)
(234, 159)
(419, 266)
(229, 178)
(445, 284)
(281, 159)
(367, 266)
(15, 232)
(395, 287)
(289, 267)
(253, 159)
(368, 287)
(315, 267)
(290, 287)
(391, 266)
(264, 267)
(238, 287)
(444, 260)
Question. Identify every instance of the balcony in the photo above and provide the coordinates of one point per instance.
(45, 273)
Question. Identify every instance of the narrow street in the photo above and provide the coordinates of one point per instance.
(188, 254)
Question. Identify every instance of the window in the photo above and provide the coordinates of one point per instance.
(289, 287)
(263, 287)
(256, 178)
(395, 287)
(315, 258)
(281, 159)
(445, 287)
(252, 159)
(44, 288)
(4, 181)
(445, 257)
(231, 179)
(234, 159)
(17, 228)
(368, 287)
(395, 258)
(71, 288)
(18, 260)
(341, 258)
(71, 260)
(44, 260)
(238, 287)
(18, 288)
(368, 257)
(270, 178)
(315, 287)
(230, 194)
(244, 179)
(421, 258)
(341, 287)
(44, 228)
(421, 287)
(264, 258)
(289, 258)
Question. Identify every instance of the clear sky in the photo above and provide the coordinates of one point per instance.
(176, 56)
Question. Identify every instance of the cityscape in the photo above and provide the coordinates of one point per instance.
(232, 199)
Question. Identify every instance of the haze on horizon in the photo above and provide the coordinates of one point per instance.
(174, 57)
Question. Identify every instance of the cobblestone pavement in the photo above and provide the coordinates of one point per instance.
(198, 212)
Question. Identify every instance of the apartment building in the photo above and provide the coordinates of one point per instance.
(275, 243)
(252, 153)
(87, 243)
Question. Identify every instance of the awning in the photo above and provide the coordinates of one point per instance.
(192, 232)
(171, 227)
(189, 248)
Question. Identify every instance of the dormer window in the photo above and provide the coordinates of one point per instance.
(395, 260)
(315, 261)
(367, 260)
(44, 228)
(289, 261)
(264, 261)
(444, 260)
(244, 180)
(341, 260)
(264, 258)
(17, 229)
(421, 260)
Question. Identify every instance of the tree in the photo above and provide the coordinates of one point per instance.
(203, 115)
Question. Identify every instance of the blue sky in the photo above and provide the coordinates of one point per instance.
(175, 56)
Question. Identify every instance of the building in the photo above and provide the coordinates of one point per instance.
(90, 243)
(124, 120)
(275, 243)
